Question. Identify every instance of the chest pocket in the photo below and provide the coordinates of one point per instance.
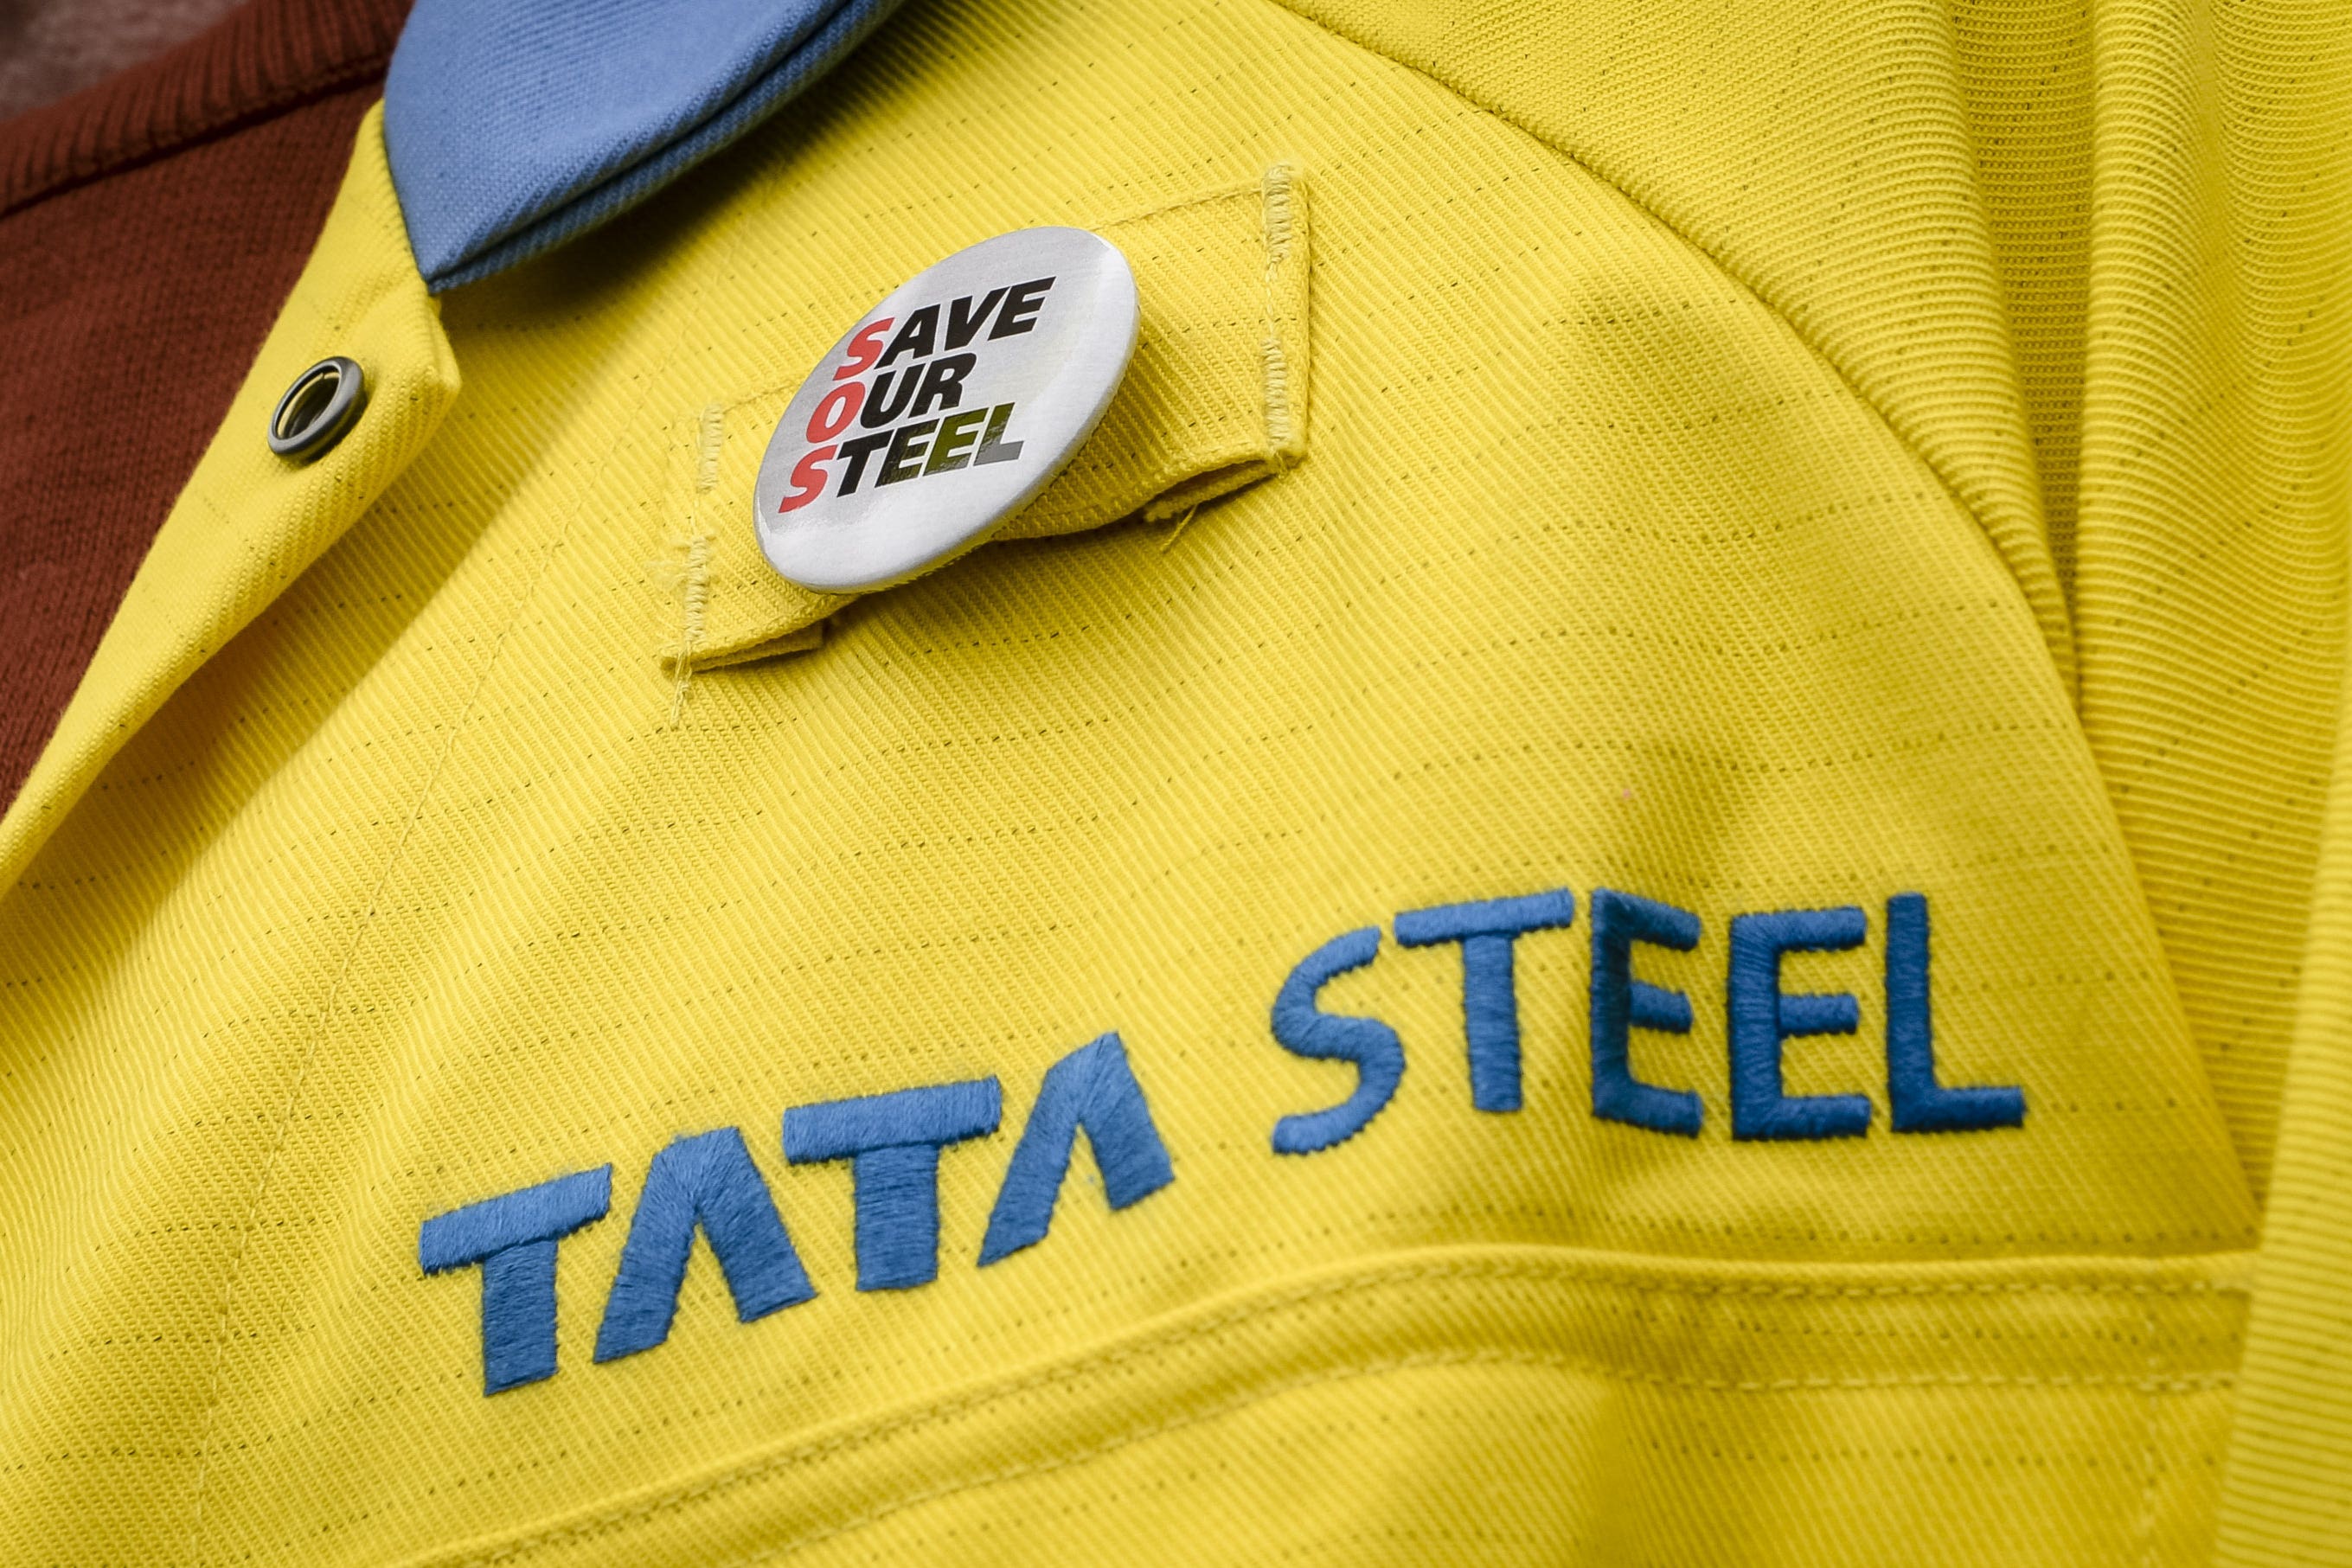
(1215, 399)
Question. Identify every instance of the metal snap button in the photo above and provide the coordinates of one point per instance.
(319, 408)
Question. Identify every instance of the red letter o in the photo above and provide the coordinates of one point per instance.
(838, 408)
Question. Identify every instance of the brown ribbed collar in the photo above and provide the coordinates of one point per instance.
(261, 59)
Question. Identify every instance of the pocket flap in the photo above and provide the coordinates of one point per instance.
(1214, 398)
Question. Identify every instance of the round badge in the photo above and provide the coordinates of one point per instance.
(946, 409)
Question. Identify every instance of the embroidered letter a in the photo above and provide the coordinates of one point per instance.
(1092, 1087)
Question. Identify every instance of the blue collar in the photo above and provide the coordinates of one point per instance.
(513, 125)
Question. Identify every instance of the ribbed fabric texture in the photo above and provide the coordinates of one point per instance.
(149, 231)
(513, 125)
(50, 51)
(265, 57)
(1855, 216)
(2217, 423)
(2289, 1495)
(2024, 68)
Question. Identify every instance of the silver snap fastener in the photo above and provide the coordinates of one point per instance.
(319, 408)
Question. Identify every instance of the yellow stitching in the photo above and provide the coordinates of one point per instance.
(2197, 1384)
(694, 582)
(2147, 1521)
(1277, 206)
(694, 595)
(1177, 532)
(1550, 1271)
(1230, 193)
(707, 442)
(1206, 1413)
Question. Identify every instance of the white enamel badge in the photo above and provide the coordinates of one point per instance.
(947, 409)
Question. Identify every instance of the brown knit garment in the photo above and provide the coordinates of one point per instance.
(52, 47)
(150, 229)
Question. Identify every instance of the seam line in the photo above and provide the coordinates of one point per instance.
(694, 581)
(1275, 205)
(2149, 1458)
(1208, 1327)
(1951, 491)
(1233, 1403)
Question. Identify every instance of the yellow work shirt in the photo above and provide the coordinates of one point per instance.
(1622, 875)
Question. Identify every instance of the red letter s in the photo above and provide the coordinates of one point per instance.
(865, 347)
(808, 480)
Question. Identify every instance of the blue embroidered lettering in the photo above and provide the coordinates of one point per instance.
(1917, 1102)
(892, 1143)
(707, 1183)
(1305, 1029)
(1761, 1015)
(1488, 932)
(1095, 1089)
(1621, 1004)
(513, 1238)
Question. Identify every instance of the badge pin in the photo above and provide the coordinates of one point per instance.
(946, 409)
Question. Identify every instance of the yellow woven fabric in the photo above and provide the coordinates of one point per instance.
(2291, 1453)
(2217, 420)
(2024, 69)
(1670, 523)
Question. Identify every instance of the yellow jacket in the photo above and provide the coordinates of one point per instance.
(1628, 512)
